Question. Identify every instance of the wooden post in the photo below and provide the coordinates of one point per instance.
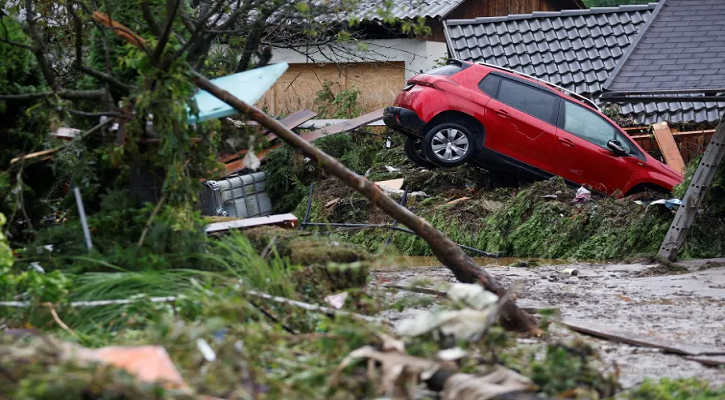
(668, 146)
(695, 194)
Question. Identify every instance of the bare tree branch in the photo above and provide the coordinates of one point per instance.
(30, 18)
(149, 17)
(104, 77)
(78, 64)
(63, 94)
(172, 6)
(197, 31)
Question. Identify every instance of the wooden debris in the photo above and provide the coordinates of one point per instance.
(119, 29)
(332, 203)
(395, 184)
(292, 121)
(638, 339)
(344, 126)
(668, 146)
(281, 220)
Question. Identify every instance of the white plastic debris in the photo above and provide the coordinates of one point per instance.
(35, 266)
(571, 271)
(391, 169)
(461, 324)
(336, 301)
(251, 160)
(453, 354)
(206, 351)
(471, 295)
(582, 195)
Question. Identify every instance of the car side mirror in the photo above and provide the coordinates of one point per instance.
(617, 148)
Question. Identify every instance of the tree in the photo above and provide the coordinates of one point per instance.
(76, 62)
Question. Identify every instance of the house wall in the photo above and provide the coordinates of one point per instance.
(379, 73)
(473, 9)
(416, 55)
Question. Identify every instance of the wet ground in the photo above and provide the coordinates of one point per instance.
(684, 307)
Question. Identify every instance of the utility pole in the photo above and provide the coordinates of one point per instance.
(696, 192)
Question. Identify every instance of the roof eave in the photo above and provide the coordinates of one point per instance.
(659, 96)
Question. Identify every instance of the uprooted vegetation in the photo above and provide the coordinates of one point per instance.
(468, 204)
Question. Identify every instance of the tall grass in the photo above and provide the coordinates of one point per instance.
(235, 255)
(232, 258)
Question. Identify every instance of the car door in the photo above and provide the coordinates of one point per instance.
(524, 119)
(582, 151)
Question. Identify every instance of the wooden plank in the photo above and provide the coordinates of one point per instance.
(351, 124)
(639, 339)
(291, 121)
(712, 361)
(35, 155)
(344, 126)
(702, 179)
(282, 220)
(668, 146)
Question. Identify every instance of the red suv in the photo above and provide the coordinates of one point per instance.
(502, 120)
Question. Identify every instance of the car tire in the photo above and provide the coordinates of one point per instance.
(414, 150)
(449, 145)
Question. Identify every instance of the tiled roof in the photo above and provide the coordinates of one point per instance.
(407, 9)
(575, 49)
(683, 48)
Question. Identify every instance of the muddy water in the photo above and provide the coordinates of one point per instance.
(422, 262)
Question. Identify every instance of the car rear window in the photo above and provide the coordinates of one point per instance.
(536, 103)
(489, 84)
(446, 70)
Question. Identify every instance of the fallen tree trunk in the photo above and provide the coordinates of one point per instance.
(463, 267)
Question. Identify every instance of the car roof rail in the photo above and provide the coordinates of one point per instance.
(563, 90)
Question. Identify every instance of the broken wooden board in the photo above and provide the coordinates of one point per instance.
(395, 184)
(639, 339)
(119, 29)
(668, 146)
(344, 126)
(36, 154)
(712, 361)
(348, 125)
(291, 121)
(282, 220)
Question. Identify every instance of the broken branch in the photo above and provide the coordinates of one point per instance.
(463, 267)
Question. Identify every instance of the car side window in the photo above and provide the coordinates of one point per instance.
(489, 85)
(589, 126)
(534, 102)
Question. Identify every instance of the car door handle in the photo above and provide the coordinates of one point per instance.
(567, 142)
(502, 113)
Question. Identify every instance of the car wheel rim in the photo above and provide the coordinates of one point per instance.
(450, 144)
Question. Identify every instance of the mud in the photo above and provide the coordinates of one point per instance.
(682, 307)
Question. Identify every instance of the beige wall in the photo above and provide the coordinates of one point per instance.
(379, 83)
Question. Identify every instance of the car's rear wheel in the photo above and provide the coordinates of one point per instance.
(414, 150)
(449, 145)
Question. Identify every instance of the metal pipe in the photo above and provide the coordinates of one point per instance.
(309, 205)
(82, 213)
(403, 202)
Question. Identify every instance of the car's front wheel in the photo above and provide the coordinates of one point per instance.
(414, 150)
(449, 145)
